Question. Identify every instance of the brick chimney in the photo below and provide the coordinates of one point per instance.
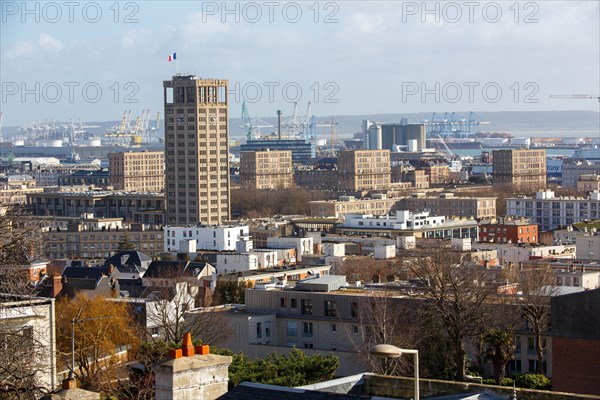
(192, 373)
(56, 285)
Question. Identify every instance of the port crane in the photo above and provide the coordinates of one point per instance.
(252, 125)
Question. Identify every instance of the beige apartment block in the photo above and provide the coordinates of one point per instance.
(197, 150)
(522, 168)
(364, 170)
(351, 205)
(267, 169)
(137, 171)
(447, 205)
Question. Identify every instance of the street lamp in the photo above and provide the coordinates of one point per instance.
(75, 320)
(390, 351)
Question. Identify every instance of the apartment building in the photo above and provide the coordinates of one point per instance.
(197, 150)
(551, 212)
(326, 314)
(146, 208)
(437, 174)
(219, 238)
(137, 171)
(508, 230)
(588, 183)
(14, 195)
(521, 168)
(379, 204)
(79, 241)
(364, 170)
(573, 168)
(406, 223)
(449, 205)
(268, 169)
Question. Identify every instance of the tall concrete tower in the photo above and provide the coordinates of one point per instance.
(196, 150)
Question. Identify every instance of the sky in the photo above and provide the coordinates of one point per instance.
(91, 61)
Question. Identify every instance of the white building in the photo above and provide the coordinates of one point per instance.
(219, 238)
(577, 277)
(403, 219)
(30, 323)
(509, 253)
(241, 262)
(304, 246)
(549, 212)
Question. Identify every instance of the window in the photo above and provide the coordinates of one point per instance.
(330, 308)
(355, 329)
(293, 303)
(154, 332)
(531, 346)
(307, 329)
(333, 328)
(283, 302)
(354, 310)
(308, 345)
(258, 330)
(306, 307)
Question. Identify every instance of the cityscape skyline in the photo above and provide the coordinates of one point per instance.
(93, 67)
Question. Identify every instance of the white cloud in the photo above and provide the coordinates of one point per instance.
(46, 45)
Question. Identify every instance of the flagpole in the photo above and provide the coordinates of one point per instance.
(176, 63)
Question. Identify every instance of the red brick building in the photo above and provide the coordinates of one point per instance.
(506, 230)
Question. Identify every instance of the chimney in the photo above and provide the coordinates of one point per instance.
(56, 286)
(192, 373)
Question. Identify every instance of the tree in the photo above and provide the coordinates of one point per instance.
(382, 319)
(103, 329)
(125, 244)
(19, 247)
(175, 312)
(295, 369)
(500, 347)
(537, 286)
(231, 292)
(457, 293)
(26, 363)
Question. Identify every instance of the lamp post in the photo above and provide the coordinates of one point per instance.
(75, 320)
(390, 351)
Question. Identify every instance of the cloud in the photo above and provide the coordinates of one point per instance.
(46, 45)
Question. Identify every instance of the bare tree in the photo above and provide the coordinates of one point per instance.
(178, 310)
(26, 359)
(537, 285)
(19, 247)
(458, 295)
(382, 318)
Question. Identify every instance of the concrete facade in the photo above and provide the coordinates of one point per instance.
(350, 205)
(137, 171)
(447, 204)
(269, 169)
(520, 168)
(197, 150)
(550, 212)
(364, 170)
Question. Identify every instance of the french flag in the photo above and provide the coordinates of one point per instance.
(172, 56)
